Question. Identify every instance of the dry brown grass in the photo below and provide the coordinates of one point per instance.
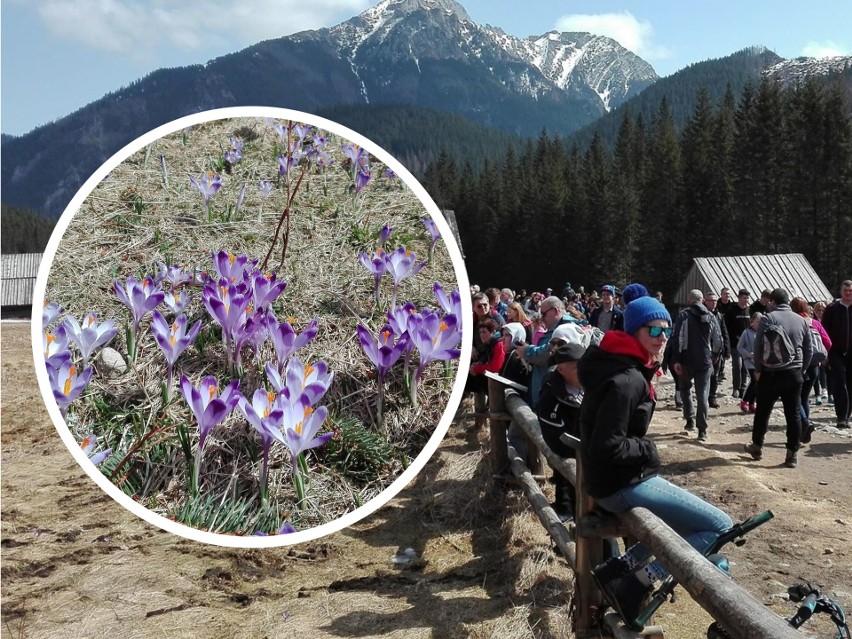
(141, 214)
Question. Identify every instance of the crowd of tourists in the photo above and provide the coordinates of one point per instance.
(590, 363)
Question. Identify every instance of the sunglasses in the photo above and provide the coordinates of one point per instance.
(656, 331)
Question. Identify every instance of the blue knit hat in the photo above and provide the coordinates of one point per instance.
(633, 291)
(643, 310)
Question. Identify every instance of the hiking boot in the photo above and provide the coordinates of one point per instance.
(818, 400)
(830, 400)
(713, 403)
(702, 435)
(611, 569)
(690, 424)
(754, 450)
(790, 460)
(807, 431)
(842, 424)
(744, 407)
(627, 596)
(736, 393)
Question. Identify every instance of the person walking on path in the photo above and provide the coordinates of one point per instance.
(696, 337)
(782, 353)
(837, 322)
(719, 356)
(737, 320)
(745, 346)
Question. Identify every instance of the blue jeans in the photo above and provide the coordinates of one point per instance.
(702, 395)
(698, 522)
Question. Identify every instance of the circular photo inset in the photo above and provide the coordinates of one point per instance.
(251, 327)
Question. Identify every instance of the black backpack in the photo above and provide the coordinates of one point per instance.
(778, 350)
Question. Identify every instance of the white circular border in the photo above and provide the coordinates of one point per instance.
(236, 541)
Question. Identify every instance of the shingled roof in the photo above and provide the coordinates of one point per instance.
(755, 273)
(19, 271)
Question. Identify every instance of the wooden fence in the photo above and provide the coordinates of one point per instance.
(728, 603)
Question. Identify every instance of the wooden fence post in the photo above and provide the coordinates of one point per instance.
(497, 422)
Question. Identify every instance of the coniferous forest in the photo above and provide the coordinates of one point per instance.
(769, 171)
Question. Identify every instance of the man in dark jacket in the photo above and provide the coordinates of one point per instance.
(719, 356)
(696, 337)
(737, 320)
(837, 322)
(780, 376)
(605, 316)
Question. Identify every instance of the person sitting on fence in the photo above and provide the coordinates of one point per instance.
(491, 359)
(514, 367)
(621, 464)
(516, 314)
(553, 313)
(559, 412)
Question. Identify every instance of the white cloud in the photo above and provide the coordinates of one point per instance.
(631, 33)
(826, 49)
(138, 27)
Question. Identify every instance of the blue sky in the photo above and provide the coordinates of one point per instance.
(59, 55)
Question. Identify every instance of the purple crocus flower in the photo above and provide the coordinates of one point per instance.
(235, 153)
(177, 301)
(324, 160)
(90, 335)
(55, 345)
(377, 266)
(265, 289)
(207, 185)
(286, 529)
(312, 380)
(302, 131)
(232, 267)
(174, 275)
(430, 225)
(299, 432)
(384, 234)
(252, 332)
(287, 162)
(67, 384)
(50, 312)
(227, 304)
(435, 338)
(286, 341)
(140, 297)
(401, 264)
(173, 340)
(210, 407)
(362, 176)
(265, 413)
(384, 351)
(88, 445)
(265, 188)
(389, 174)
(451, 304)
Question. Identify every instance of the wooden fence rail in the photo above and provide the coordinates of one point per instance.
(728, 603)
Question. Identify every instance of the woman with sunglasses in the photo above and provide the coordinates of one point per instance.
(621, 464)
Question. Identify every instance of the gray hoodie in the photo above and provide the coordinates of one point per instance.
(797, 330)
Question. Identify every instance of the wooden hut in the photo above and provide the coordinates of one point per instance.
(19, 271)
(755, 273)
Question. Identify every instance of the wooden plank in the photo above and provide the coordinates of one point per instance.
(546, 515)
(742, 615)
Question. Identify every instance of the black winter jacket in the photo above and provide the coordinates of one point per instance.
(615, 415)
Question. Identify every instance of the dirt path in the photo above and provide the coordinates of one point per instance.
(75, 564)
